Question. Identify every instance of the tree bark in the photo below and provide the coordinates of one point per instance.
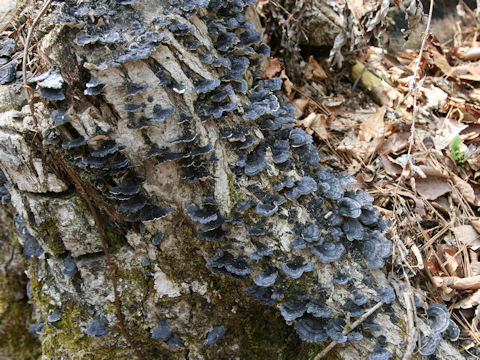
(108, 72)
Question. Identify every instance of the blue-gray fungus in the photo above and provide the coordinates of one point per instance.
(96, 327)
(360, 299)
(335, 330)
(215, 334)
(94, 87)
(36, 329)
(31, 247)
(206, 85)
(341, 279)
(162, 331)
(50, 84)
(262, 251)
(60, 117)
(380, 353)
(160, 114)
(311, 330)
(386, 294)
(266, 279)
(293, 309)
(430, 343)
(70, 266)
(297, 267)
(453, 331)
(318, 309)
(4, 185)
(54, 316)
(355, 336)
(438, 318)
(132, 204)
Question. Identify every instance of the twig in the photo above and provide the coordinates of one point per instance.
(25, 56)
(360, 320)
(412, 331)
(414, 83)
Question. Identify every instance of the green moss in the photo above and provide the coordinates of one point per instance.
(15, 315)
(114, 241)
(260, 330)
(48, 230)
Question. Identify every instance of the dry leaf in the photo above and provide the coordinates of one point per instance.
(454, 282)
(315, 70)
(436, 97)
(396, 143)
(273, 68)
(333, 101)
(474, 263)
(374, 126)
(469, 53)
(300, 105)
(466, 190)
(432, 187)
(444, 136)
(452, 259)
(318, 123)
(469, 302)
(390, 167)
(441, 62)
(467, 235)
(287, 84)
(442, 204)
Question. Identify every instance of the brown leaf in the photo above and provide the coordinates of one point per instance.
(390, 167)
(318, 123)
(469, 302)
(300, 105)
(315, 70)
(287, 84)
(452, 259)
(454, 282)
(432, 187)
(470, 53)
(441, 62)
(474, 263)
(467, 235)
(373, 126)
(396, 143)
(273, 68)
(466, 190)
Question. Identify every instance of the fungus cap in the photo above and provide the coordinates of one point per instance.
(216, 333)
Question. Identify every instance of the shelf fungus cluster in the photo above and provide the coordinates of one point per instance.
(182, 128)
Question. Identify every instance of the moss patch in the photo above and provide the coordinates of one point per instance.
(15, 315)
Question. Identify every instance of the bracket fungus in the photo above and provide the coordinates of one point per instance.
(96, 327)
(318, 309)
(311, 330)
(430, 343)
(386, 294)
(162, 331)
(438, 318)
(266, 279)
(297, 267)
(379, 353)
(214, 335)
(293, 309)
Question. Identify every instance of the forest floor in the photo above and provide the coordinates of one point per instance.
(405, 124)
